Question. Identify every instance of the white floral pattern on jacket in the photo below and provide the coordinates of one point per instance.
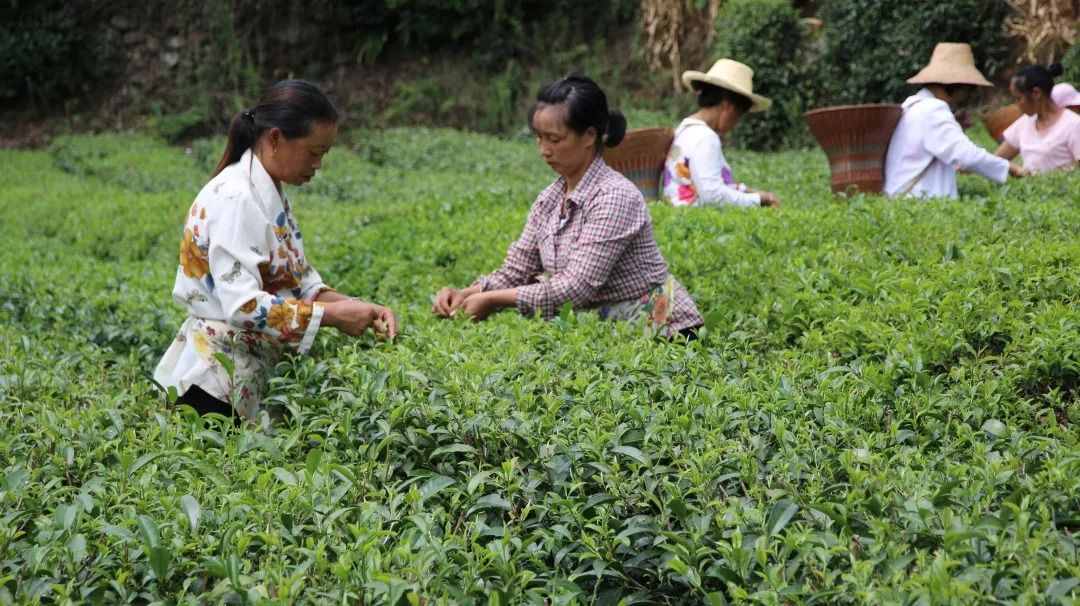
(246, 285)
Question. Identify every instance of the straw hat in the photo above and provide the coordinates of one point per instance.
(733, 76)
(951, 63)
(1065, 95)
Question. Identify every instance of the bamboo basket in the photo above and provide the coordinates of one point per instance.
(997, 122)
(855, 139)
(640, 157)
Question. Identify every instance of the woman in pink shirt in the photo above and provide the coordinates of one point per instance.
(1047, 136)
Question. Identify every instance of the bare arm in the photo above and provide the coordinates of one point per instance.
(1006, 151)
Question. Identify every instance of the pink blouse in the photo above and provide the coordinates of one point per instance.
(1049, 149)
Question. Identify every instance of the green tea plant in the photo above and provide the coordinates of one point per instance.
(880, 409)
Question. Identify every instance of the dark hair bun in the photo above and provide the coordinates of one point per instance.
(616, 128)
(1055, 70)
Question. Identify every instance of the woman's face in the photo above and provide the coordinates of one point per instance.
(1025, 101)
(562, 148)
(295, 161)
(728, 117)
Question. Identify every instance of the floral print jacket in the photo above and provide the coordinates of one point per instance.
(696, 172)
(242, 272)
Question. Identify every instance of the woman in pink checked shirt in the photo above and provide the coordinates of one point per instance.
(589, 231)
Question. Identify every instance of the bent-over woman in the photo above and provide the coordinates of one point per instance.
(589, 231)
(929, 145)
(244, 280)
(696, 172)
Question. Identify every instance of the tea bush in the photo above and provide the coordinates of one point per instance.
(768, 36)
(881, 409)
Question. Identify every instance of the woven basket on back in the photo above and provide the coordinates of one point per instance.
(640, 157)
(855, 138)
(997, 122)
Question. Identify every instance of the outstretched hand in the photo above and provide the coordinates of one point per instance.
(449, 300)
(353, 317)
(769, 199)
(478, 306)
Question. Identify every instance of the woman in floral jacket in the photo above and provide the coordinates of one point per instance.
(696, 173)
(244, 280)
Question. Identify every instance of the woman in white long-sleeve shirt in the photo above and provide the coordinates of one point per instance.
(696, 172)
(244, 279)
(929, 145)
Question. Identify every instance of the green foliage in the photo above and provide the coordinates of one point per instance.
(510, 49)
(871, 47)
(1071, 62)
(881, 410)
(767, 36)
(177, 126)
(48, 50)
(495, 31)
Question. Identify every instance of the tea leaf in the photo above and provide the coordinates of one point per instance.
(192, 510)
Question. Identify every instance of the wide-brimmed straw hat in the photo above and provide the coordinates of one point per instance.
(951, 63)
(733, 76)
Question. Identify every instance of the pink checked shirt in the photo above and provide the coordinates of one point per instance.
(603, 251)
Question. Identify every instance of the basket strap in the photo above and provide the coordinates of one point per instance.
(914, 180)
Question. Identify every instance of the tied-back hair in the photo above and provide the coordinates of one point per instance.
(289, 105)
(586, 107)
(710, 95)
(1037, 77)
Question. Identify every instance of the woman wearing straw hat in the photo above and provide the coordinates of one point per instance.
(696, 172)
(929, 145)
(1047, 135)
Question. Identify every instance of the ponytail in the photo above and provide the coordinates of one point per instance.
(242, 137)
(616, 128)
(290, 106)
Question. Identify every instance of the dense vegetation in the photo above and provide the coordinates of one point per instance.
(881, 410)
(186, 66)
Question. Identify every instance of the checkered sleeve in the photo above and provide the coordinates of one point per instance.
(611, 221)
(522, 264)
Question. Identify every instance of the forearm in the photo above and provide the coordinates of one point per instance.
(1007, 151)
(469, 291)
(331, 296)
(333, 311)
(505, 297)
(718, 193)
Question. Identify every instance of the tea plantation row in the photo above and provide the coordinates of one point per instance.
(882, 408)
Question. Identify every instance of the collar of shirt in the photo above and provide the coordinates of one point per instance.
(261, 182)
(586, 190)
(688, 122)
(587, 187)
(924, 94)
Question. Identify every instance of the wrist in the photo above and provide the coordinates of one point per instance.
(330, 315)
